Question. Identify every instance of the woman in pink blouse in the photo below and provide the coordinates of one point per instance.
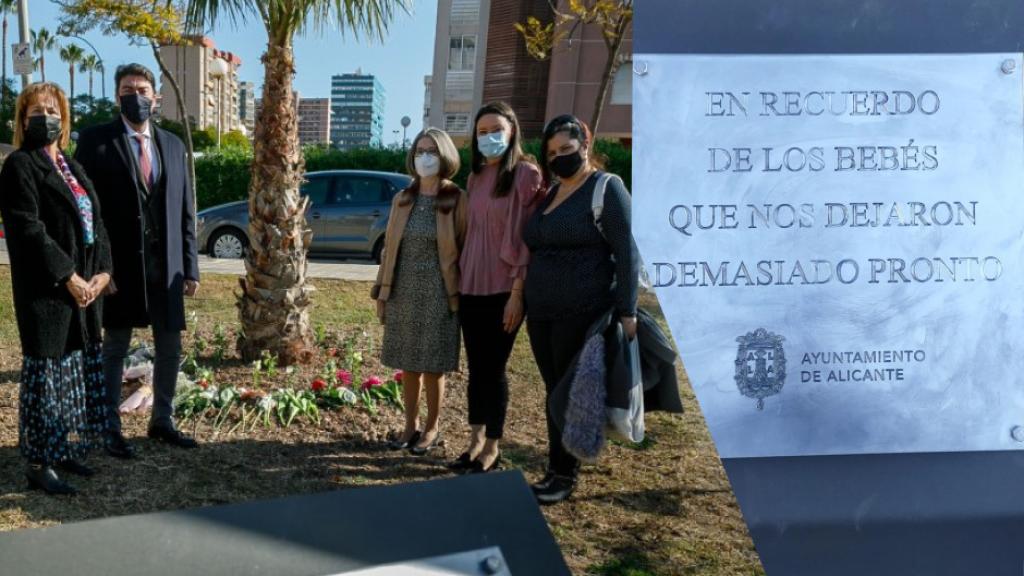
(504, 188)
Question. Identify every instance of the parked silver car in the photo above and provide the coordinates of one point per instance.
(348, 213)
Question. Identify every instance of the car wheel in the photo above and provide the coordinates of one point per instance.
(227, 243)
(378, 251)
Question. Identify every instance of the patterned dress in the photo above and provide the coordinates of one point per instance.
(421, 334)
(62, 407)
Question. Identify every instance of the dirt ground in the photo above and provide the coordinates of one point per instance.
(662, 508)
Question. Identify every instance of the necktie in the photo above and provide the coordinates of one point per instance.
(144, 161)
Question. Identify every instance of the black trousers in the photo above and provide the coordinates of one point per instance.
(555, 343)
(166, 341)
(488, 347)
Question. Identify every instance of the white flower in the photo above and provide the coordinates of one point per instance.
(347, 396)
(267, 403)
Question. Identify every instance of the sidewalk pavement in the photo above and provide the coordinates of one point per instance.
(359, 270)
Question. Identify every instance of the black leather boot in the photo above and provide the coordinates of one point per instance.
(44, 478)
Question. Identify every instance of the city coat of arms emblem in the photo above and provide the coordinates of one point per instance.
(760, 365)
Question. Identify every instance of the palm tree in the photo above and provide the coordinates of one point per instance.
(72, 54)
(274, 300)
(89, 64)
(42, 41)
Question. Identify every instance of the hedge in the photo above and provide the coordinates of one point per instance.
(223, 175)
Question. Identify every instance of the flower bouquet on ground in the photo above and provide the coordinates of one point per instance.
(138, 368)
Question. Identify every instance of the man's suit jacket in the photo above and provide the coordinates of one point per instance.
(109, 161)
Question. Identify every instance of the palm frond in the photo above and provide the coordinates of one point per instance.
(370, 17)
(203, 15)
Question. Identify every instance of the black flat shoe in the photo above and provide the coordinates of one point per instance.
(560, 488)
(118, 447)
(421, 450)
(461, 464)
(77, 468)
(172, 437)
(44, 478)
(399, 445)
(477, 467)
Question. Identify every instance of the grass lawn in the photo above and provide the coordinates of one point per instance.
(662, 508)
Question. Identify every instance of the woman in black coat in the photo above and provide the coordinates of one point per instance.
(60, 267)
(577, 272)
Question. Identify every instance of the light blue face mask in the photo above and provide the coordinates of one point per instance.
(492, 145)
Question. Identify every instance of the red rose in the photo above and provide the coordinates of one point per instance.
(344, 377)
(319, 385)
(398, 376)
(371, 382)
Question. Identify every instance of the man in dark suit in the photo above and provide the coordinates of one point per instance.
(141, 177)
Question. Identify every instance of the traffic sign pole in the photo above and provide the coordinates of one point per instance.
(23, 36)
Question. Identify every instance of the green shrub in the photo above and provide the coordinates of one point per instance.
(235, 139)
(223, 175)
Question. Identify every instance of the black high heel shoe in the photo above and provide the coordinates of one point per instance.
(44, 478)
(477, 467)
(421, 450)
(461, 464)
(399, 445)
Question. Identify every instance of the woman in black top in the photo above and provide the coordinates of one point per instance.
(577, 273)
(60, 265)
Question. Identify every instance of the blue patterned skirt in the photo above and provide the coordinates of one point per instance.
(62, 409)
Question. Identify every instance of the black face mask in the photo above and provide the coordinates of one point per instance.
(567, 165)
(136, 108)
(42, 130)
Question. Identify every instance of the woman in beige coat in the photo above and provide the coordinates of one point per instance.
(417, 288)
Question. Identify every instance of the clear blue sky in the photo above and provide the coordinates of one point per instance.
(401, 61)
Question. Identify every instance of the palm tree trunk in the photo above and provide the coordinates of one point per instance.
(42, 65)
(71, 72)
(274, 303)
(92, 101)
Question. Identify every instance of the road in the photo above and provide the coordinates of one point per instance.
(360, 270)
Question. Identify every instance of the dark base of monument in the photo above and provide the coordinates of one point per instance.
(319, 534)
(944, 514)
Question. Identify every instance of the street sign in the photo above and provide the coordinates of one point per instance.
(22, 54)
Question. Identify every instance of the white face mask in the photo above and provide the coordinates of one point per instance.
(427, 165)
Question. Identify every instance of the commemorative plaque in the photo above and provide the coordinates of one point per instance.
(827, 201)
(855, 223)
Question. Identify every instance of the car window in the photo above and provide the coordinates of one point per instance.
(316, 189)
(355, 190)
(397, 186)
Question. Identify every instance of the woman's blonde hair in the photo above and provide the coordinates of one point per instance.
(31, 95)
(449, 154)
